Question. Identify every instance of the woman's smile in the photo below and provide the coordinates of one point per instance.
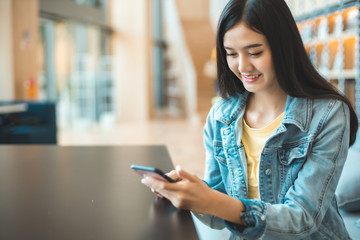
(250, 78)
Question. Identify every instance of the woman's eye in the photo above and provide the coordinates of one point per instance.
(230, 54)
(256, 54)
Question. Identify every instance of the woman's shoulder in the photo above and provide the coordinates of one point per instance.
(329, 114)
(230, 102)
(226, 109)
(318, 105)
(312, 113)
(328, 105)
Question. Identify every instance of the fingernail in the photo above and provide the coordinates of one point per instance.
(144, 180)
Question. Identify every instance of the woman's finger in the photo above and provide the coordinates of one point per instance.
(173, 175)
(157, 193)
(152, 183)
(184, 174)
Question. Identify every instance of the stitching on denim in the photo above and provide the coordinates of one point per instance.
(334, 164)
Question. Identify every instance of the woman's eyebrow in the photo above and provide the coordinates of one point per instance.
(246, 47)
(253, 46)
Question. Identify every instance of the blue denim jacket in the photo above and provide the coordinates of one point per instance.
(299, 169)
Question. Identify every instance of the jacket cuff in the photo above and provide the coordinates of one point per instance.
(254, 218)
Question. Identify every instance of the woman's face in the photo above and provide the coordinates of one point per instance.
(249, 57)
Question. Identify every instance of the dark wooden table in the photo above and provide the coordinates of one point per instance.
(52, 192)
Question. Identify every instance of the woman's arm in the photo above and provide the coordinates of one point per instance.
(307, 201)
(193, 194)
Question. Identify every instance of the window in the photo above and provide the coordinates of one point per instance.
(75, 67)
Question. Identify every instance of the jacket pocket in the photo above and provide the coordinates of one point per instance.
(290, 155)
(219, 153)
(291, 160)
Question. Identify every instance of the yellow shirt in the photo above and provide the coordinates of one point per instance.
(253, 140)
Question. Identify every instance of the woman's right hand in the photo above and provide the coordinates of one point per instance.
(173, 175)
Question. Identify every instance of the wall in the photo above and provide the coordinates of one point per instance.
(200, 39)
(6, 59)
(130, 47)
(25, 17)
(181, 61)
(216, 7)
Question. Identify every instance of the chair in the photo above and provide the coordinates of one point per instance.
(35, 125)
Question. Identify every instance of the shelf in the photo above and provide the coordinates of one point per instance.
(313, 10)
(331, 37)
(331, 41)
(346, 74)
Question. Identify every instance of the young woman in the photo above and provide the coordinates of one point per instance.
(277, 142)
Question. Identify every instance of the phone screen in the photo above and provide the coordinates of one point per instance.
(151, 172)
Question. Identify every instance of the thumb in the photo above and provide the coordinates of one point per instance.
(184, 174)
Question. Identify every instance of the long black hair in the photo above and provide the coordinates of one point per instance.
(294, 71)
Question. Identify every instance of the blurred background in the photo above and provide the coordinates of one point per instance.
(143, 71)
(118, 71)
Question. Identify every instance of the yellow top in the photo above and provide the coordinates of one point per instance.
(253, 140)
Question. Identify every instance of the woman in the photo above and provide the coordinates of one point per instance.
(277, 142)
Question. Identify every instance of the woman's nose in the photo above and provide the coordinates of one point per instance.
(244, 65)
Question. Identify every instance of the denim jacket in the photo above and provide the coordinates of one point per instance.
(299, 169)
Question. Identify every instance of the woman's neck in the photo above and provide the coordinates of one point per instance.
(263, 108)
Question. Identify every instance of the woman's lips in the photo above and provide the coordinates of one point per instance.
(251, 78)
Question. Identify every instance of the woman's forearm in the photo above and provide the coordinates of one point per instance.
(226, 207)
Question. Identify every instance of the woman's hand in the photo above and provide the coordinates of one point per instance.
(189, 192)
(172, 174)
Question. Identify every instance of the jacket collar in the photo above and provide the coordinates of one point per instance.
(228, 110)
(298, 111)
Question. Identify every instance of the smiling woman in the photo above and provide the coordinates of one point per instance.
(250, 59)
(279, 126)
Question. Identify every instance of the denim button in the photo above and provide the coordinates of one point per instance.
(226, 131)
(268, 171)
(262, 217)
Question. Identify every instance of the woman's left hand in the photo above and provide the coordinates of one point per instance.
(189, 192)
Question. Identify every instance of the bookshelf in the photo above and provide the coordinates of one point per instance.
(331, 36)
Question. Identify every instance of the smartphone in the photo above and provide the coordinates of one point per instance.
(152, 172)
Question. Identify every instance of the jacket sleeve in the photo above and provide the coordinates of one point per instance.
(212, 176)
(308, 199)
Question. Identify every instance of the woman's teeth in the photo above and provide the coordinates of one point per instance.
(252, 76)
